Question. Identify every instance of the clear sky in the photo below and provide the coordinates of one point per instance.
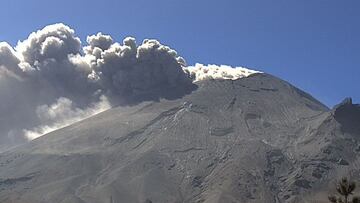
(313, 44)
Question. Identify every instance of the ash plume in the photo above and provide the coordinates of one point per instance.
(51, 80)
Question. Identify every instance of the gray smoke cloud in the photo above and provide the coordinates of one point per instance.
(135, 72)
(50, 80)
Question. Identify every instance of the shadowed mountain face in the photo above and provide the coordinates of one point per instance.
(256, 139)
(348, 115)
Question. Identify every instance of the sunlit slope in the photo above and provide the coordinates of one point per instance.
(255, 139)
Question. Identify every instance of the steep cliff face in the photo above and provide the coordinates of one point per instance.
(255, 139)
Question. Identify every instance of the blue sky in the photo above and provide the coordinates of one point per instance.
(314, 44)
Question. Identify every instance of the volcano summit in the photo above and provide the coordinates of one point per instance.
(148, 128)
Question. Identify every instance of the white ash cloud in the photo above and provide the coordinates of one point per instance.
(55, 41)
(100, 40)
(63, 113)
(203, 72)
(8, 57)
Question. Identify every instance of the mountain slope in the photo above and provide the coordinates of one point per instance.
(255, 139)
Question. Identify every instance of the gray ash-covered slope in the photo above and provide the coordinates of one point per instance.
(255, 139)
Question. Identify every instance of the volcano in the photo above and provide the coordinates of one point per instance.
(253, 139)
